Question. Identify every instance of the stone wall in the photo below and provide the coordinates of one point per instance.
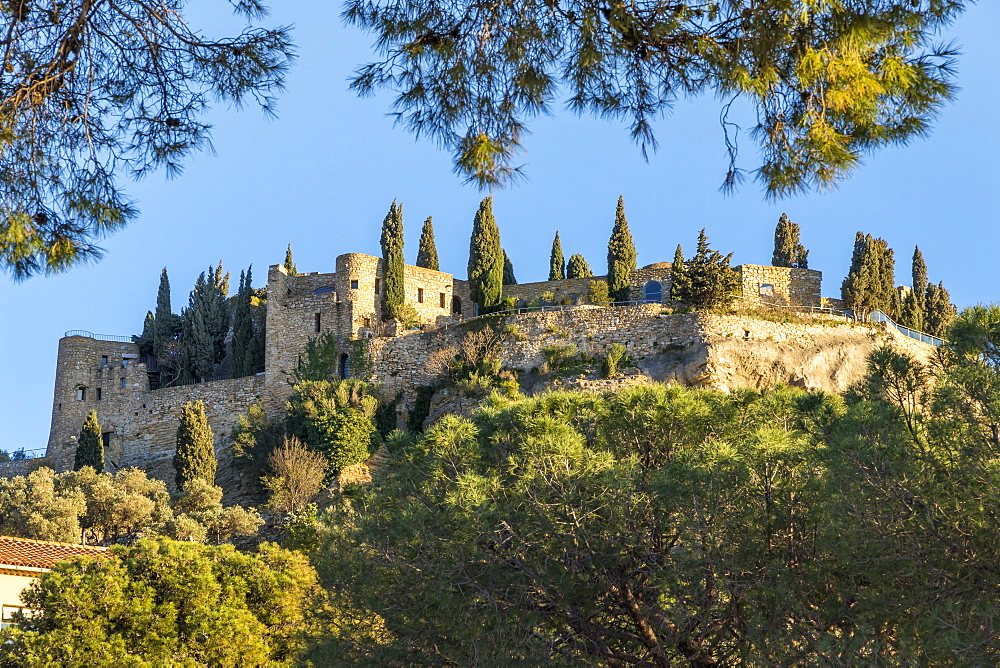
(143, 424)
(781, 285)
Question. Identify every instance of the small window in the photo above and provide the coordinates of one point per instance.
(81, 394)
(345, 366)
(766, 290)
(104, 360)
(444, 301)
(366, 322)
(378, 285)
(319, 322)
(124, 363)
(97, 394)
(325, 290)
(420, 295)
(122, 383)
(354, 285)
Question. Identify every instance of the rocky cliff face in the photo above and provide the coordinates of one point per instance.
(730, 352)
(744, 352)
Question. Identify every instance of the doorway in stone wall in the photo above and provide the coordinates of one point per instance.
(345, 366)
(652, 293)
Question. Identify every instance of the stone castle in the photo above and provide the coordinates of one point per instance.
(105, 373)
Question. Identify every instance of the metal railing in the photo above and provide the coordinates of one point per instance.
(825, 310)
(878, 316)
(550, 308)
(99, 337)
(22, 454)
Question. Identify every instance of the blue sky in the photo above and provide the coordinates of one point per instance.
(321, 177)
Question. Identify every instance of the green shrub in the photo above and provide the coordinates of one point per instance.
(598, 294)
(558, 356)
(616, 353)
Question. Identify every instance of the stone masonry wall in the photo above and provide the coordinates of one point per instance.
(800, 287)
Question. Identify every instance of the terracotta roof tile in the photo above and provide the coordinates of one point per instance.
(41, 553)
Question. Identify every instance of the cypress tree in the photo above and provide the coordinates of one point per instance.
(195, 455)
(427, 254)
(485, 259)
(508, 271)
(708, 278)
(913, 307)
(145, 341)
(578, 267)
(393, 295)
(243, 330)
(940, 312)
(788, 252)
(870, 284)
(215, 312)
(166, 324)
(679, 283)
(289, 262)
(557, 266)
(621, 256)
(90, 445)
(195, 336)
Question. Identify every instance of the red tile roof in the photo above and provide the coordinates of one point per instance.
(41, 553)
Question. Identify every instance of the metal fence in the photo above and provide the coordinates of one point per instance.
(22, 454)
(99, 337)
(878, 316)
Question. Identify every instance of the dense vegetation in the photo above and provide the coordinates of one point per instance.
(662, 525)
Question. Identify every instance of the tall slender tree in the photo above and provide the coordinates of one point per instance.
(393, 295)
(195, 455)
(485, 259)
(621, 256)
(199, 357)
(243, 330)
(577, 267)
(788, 252)
(290, 263)
(508, 271)
(557, 265)
(679, 283)
(166, 323)
(913, 306)
(427, 253)
(90, 445)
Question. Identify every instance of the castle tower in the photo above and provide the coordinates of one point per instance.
(92, 373)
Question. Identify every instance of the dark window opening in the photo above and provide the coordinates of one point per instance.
(456, 304)
(104, 360)
(354, 285)
(106, 439)
(123, 383)
(319, 322)
(325, 290)
(420, 295)
(97, 394)
(443, 302)
(378, 284)
(81, 394)
(366, 322)
(345, 366)
(652, 292)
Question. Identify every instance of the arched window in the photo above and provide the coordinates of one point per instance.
(766, 290)
(521, 303)
(326, 289)
(652, 293)
(456, 304)
(345, 366)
